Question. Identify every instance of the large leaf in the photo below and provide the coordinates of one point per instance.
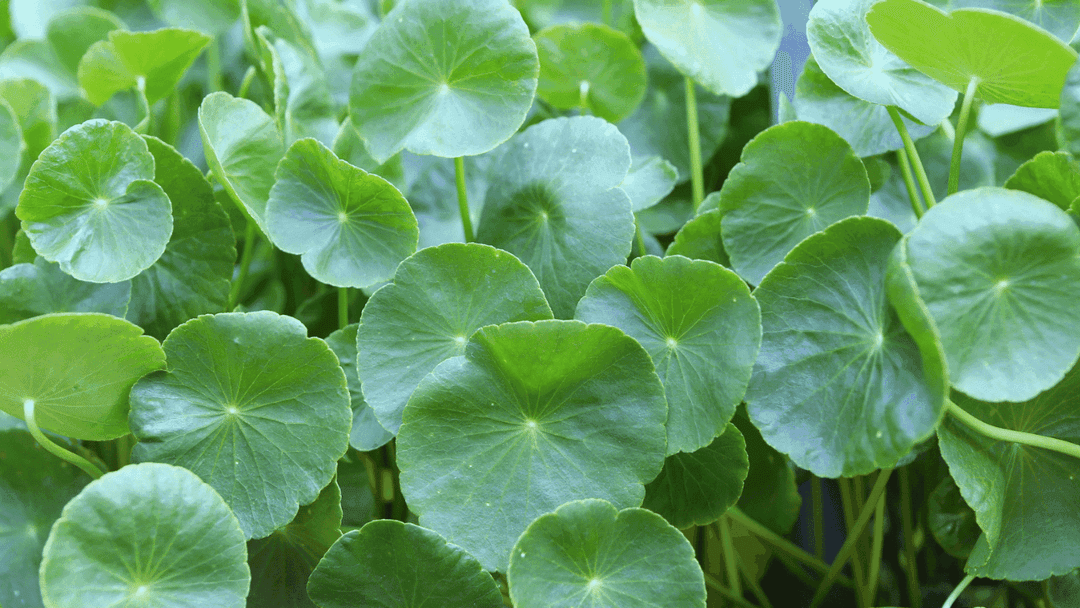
(999, 273)
(555, 203)
(588, 553)
(148, 534)
(251, 405)
(718, 43)
(399, 565)
(89, 205)
(352, 228)
(444, 77)
(839, 385)
(553, 410)
(438, 298)
(153, 62)
(366, 434)
(703, 343)
(29, 290)
(1059, 18)
(77, 369)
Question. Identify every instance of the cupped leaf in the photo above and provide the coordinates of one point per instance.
(243, 148)
(1011, 60)
(649, 180)
(29, 290)
(555, 203)
(592, 67)
(397, 565)
(302, 103)
(148, 534)
(1051, 176)
(34, 487)
(703, 343)
(553, 410)
(588, 553)
(699, 239)
(999, 273)
(208, 16)
(718, 43)
(89, 205)
(853, 59)
(251, 405)
(770, 494)
(438, 298)
(367, 434)
(77, 369)
(351, 227)
(12, 145)
(839, 385)
(696, 488)
(1024, 497)
(794, 179)
(444, 77)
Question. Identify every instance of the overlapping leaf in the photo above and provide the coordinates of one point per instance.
(153, 62)
(1051, 176)
(29, 290)
(367, 434)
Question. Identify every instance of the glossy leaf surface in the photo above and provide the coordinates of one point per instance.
(366, 434)
(29, 290)
(1051, 176)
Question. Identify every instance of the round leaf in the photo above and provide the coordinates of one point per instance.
(1012, 60)
(29, 290)
(75, 30)
(587, 553)
(649, 180)
(721, 44)
(699, 239)
(444, 77)
(367, 434)
(153, 62)
(839, 385)
(794, 179)
(89, 205)
(251, 405)
(351, 227)
(397, 565)
(703, 343)
(148, 534)
(999, 273)
(951, 520)
(439, 297)
(553, 410)
(1059, 18)
(1051, 176)
(554, 202)
(35, 59)
(77, 368)
(592, 67)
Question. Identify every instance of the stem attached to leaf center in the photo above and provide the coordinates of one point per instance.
(463, 199)
(913, 156)
(1038, 441)
(958, 139)
(75, 459)
(697, 178)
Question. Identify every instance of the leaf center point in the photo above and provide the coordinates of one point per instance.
(671, 342)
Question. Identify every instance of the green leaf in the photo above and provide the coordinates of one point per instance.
(1064, 591)
(89, 205)
(36, 60)
(243, 148)
(1051, 176)
(35, 110)
(699, 239)
(211, 17)
(302, 103)
(129, 107)
(769, 494)
(1013, 61)
(554, 202)
(348, 146)
(12, 146)
(999, 273)
(367, 434)
(148, 534)
(703, 343)
(649, 180)
(553, 410)
(77, 368)
(951, 520)
(430, 178)
(29, 290)
(839, 385)
(394, 564)
(150, 61)
(444, 77)
(587, 553)
(30, 17)
(437, 299)
(351, 227)
(592, 67)
(251, 405)
(1070, 111)
(34, 487)
(1059, 18)
(977, 166)
(282, 562)
(1024, 497)
(794, 179)
(1002, 119)
(720, 44)
(891, 202)
(72, 32)
(846, 51)
(696, 488)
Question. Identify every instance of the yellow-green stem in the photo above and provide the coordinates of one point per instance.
(55, 450)
(463, 199)
(755, 588)
(958, 137)
(875, 552)
(342, 307)
(245, 84)
(697, 178)
(245, 265)
(213, 66)
(784, 545)
(726, 593)
(731, 558)
(993, 432)
(851, 502)
(959, 589)
(909, 183)
(640, 237)
(913, 156)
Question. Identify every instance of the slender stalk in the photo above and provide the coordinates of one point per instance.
(853, 537)
(726, 593)
(819, 516)
(1038, 441)
(245, 84)
(245, 265)
(640, 238)
(7, 244)
(914, 592)
(875, 551)
(697, 177)
(909, 183)
(755, 588)
(213, 66)
(463, 199)
(913, 156)
(731, 559)
(342, 307)
(123, 450)
(958, 138)
(784, 545)
(847, 494)
(959, 589)
(88, 467)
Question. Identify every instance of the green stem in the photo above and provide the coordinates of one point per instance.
(731, 558)
(213, 66)
(781, 543)
(958, 138)
(755, 588)
(245, 265)
(914, 592)
(819, 516)
(726, 593)
(123, 450)
(909, 183)
(640, 238)
(913, 156)
(875, 551)
(59, 452)
(853, 536)
(697, 177)
(7, 244)
(245, 84)
(959, 589)
(463, 199)
(847, 494)
(342, 307)
(993, 432)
